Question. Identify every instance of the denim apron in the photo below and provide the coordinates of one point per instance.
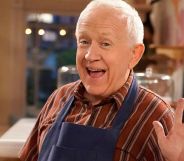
(71, 142)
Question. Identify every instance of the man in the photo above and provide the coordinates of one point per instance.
(105, 116)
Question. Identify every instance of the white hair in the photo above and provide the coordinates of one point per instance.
(134, 22)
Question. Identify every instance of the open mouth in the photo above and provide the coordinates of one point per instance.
(95, 73)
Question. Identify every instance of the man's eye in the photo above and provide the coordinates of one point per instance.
(83, 42)
(105, 44)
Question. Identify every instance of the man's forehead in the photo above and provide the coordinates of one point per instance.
(96, 22)
(101, 31)
(103, 28)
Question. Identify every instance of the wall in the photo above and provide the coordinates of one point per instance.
(12, 62)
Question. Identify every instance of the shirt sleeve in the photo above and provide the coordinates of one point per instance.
(152, 150)
(30, 150)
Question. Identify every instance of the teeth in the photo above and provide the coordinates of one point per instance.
(95, 70)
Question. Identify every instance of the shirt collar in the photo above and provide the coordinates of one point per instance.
(118, 96)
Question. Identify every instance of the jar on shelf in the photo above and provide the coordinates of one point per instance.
(161, 84)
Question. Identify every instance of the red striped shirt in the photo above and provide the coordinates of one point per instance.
(137, 140)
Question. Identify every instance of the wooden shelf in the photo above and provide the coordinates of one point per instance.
(175, 52)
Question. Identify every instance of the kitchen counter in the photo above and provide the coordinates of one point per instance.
(13, 139)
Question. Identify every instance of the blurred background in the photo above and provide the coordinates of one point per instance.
(37, 39)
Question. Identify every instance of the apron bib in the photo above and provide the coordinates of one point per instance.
(71, 142)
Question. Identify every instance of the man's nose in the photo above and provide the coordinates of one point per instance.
(93, 53)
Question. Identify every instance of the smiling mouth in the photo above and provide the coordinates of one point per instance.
(95, 73)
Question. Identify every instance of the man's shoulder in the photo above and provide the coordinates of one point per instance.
(153, 105)
(68, 89)
(149, 95)
(57, 100)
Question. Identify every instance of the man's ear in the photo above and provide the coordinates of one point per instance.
(136, 55)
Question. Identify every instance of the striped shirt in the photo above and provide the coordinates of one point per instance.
(137, 139)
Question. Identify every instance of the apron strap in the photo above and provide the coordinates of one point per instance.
(127, 107)
(65, 110)
(53, 133)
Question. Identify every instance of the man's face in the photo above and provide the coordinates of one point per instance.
(103, 52)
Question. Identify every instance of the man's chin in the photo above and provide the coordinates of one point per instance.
(93, 95)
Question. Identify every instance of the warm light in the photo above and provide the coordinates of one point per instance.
(44, 17)
(62, 32)
(41, 32)
(64, 69)
(28, 31)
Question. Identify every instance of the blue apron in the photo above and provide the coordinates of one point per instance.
(71, 142)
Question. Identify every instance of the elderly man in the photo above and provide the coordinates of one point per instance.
(105, 116)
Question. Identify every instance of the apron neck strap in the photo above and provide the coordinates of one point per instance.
(127, 106)
(65, 110)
